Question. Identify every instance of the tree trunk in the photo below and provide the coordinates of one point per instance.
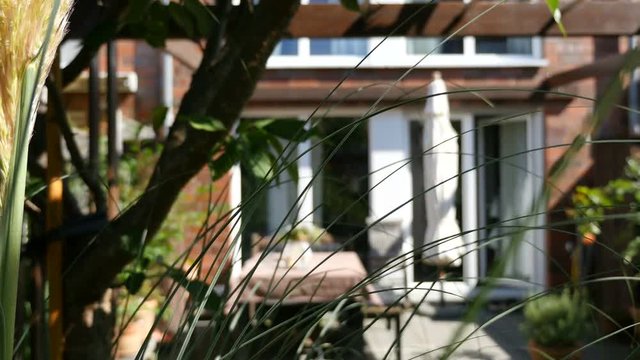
(90, 330)
(220, 87)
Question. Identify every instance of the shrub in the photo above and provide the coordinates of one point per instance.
(557, 319)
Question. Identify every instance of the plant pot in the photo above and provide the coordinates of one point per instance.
(540, 352)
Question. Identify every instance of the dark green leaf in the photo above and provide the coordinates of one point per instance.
(289, 129)
(260, 164)
(156, 33)
(275, 144)
(255, 140)
(155, 25)
(158, 116)
(204, 20)
(181, 17)
(134, 282)
(137, 10)
(350, 5)
(101, 34)
(197, 289)
(223, 163)
(292, 170)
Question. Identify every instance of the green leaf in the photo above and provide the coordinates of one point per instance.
(260, 124)
(554, 8)
(205, 123)
(134, 282)
(259, 164)
(350, 5)
(181, 17)
(204, 19)
(158, 116)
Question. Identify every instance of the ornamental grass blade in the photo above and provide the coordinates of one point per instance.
(31, 32)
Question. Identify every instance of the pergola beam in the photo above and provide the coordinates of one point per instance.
(477, 18)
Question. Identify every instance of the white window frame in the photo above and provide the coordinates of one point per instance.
(385, 56)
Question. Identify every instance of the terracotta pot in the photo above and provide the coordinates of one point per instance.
(539, 352)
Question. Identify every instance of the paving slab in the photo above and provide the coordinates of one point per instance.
(430, 331)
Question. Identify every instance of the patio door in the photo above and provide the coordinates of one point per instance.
(509, 183)
(500, 179)
(462, 279)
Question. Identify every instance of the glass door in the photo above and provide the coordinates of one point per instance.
(507, 189)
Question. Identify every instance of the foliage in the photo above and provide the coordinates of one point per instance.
(260, 146)
(557, 319)
(554, 8)
(621, 197)
(134, 172)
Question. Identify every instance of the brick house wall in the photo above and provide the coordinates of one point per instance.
(564, 117)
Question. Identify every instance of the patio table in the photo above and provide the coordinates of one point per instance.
(298, 290)
(327, 276)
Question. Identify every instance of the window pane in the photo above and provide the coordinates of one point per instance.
(339, 46)
(424, 46)
(499, 45)
(286, 47)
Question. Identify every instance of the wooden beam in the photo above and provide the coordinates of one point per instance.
(477, 18)
(603, 67)
(53, 221)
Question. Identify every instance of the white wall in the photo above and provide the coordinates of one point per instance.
(390, 173)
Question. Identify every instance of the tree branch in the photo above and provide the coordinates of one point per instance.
(76, 158)
(220, 88)
(90, 19)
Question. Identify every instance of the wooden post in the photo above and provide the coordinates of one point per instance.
(54, 221)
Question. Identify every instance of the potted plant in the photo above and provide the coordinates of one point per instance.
(555, 325)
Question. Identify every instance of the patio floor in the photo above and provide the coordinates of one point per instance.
(432, 327)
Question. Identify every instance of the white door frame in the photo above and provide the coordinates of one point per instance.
(473, 267)
(456, 291)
